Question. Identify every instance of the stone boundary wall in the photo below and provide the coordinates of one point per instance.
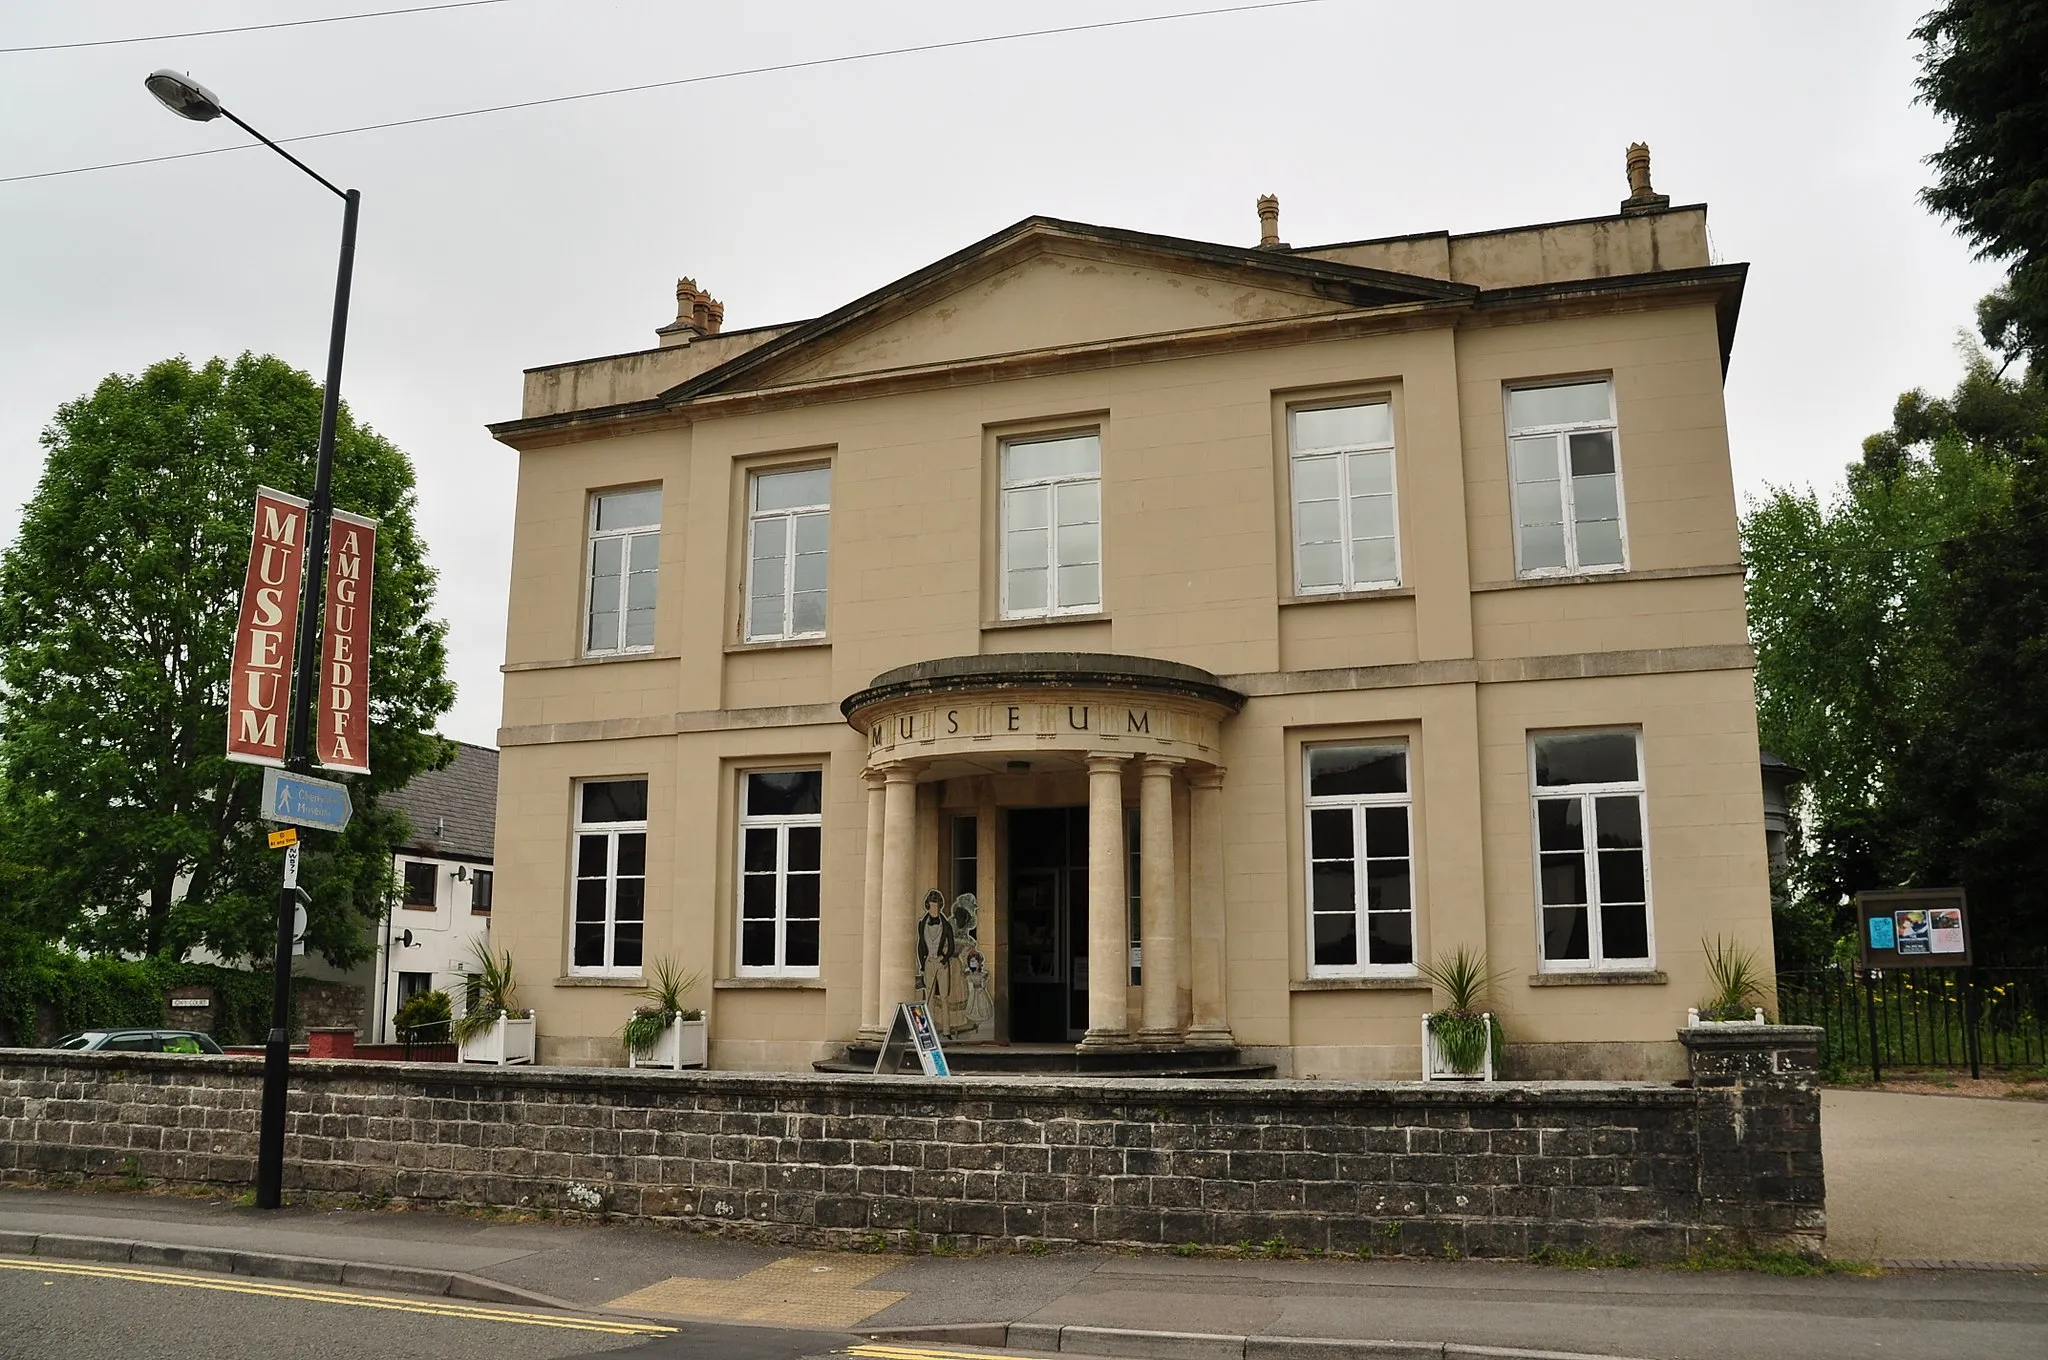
(1500, 1170)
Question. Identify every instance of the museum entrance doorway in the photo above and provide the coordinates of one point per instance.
(1048, 924)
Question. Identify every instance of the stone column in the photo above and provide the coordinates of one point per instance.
(896, 973)
(1109, 956)
(1205, 907)
(1159, 923)
(871, 916)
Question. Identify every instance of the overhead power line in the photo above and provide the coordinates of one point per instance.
(687, 80)
(249, 28)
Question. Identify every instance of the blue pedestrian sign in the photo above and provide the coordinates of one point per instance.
(305, 801)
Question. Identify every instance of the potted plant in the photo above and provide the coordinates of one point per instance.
(492, 1029)
(664, 1032)
(1737, 984)
(1460, 1040)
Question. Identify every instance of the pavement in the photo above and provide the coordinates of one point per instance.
(1061, 1303)
(1912, 1178)
(1935, 1178)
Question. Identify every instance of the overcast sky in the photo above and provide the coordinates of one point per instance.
(492, 244)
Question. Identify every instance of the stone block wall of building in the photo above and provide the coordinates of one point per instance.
(1494, 1169)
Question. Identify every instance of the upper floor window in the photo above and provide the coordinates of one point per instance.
(625, 553)
(422, 883)
(1361, 896)
(480, 891)
(1341, 461)
(1592, 866)
(1567, 478)
(610, 907)
(1052, 526)
(788, 521)
(781, 861)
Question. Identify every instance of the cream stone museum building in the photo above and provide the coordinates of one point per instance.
(1145, 649)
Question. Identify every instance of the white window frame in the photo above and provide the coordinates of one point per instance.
(1596, 960)
(611, 831)
(788, 515)
(592, 536)
(781, 824)
(1560, 435)
(1357, 803)
(1053, 608)
(1296, 455)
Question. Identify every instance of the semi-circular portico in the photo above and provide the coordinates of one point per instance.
(1008, 714)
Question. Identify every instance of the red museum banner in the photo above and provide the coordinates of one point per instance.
(343, 742)
(260, 680)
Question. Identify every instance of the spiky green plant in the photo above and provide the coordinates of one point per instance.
(665, 994)
(1461, 1026)
(1736, 979)
(491, 992)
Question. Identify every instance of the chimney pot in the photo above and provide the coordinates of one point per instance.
(1269, 223)
(1641, 197)
(697, 314)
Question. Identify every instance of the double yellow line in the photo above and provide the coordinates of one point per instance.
(879, 1350)
(314, 1294)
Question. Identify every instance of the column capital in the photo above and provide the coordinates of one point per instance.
(897, 772)
(1155, 765)
(873, 780)
(1206, 776)
(1103, 762)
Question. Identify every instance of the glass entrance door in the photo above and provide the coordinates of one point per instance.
(1048, 924)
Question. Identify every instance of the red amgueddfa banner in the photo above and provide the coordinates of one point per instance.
(260, 680)
(343, 742)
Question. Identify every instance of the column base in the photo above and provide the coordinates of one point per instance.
(1211, 1038)
(1100, 1041)
(1161, 1038)
(871, 1034)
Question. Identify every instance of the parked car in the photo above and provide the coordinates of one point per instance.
(141, 1041)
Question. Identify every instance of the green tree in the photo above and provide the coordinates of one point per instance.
(1902, 658)
(1850, 613)
(122, 824)
(1980, 68)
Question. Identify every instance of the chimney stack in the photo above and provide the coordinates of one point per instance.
(1269, 223)
(1641, 197)
(697, 314)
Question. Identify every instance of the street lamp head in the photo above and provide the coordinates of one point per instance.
(183, 96)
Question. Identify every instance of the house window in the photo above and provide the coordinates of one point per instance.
(610, 907)
(480, 891)
(1592, 870)
(1361, 899)
(1342, 465)
(411, 985)
(422, 884)
(1567, 478)
(1134, 897)
(966, 857)
(1052, 526)
(781, 835)
(625, 552)
(789, 516)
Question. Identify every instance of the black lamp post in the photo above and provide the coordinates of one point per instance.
(189, 99)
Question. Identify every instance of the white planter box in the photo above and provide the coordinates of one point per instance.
(682, 1044)
(1435, 1068)
(507, 1042)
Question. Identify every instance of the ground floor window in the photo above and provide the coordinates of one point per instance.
(1592, 854)
(610, 902)
(1361, 897)
(781, 835)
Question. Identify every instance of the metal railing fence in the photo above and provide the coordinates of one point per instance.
(1924, 1017)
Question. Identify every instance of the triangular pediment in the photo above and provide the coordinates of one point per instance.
(1044, 286)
